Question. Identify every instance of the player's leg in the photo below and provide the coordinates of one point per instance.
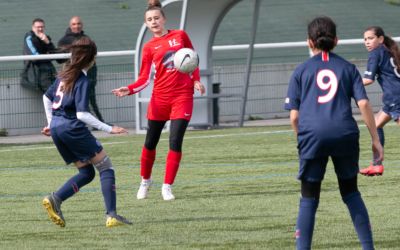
(346, 169)
(177, 132)
(107, 179)
(376, 168)
(85, 175)
(311, 174)
(148, 156)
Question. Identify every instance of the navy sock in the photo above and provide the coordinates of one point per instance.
(107, 178)
(381, 135)
(305, 222)
(72, 186)
(360, 218)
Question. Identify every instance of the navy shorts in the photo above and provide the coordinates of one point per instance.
(74, 144)
(313, 170)
(393, 111)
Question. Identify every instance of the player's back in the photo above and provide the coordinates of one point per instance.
(325, 85)
(66, 105)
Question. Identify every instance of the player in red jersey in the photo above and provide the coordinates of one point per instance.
(172, 97)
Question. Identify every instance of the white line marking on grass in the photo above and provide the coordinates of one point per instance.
(164, 139)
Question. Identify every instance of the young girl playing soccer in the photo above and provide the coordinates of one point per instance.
(67, 111)
(384, 65)
(172, 97)
(319, 100)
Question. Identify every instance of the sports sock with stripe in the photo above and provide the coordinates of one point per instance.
(305, 222)
(72, 186)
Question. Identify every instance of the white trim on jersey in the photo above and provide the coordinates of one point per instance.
(92, 121)
(47, 108)
(140, 88)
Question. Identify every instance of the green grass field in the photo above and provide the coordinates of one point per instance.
(236, 189)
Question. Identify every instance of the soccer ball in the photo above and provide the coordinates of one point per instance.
(186, 60)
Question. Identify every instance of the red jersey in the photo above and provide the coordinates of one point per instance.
(160, 51)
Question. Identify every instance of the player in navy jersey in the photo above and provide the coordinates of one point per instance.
(67, 111)
(171, 99)
(319, 99)
(383, 65)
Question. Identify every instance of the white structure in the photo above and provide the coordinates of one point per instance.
(200, 19)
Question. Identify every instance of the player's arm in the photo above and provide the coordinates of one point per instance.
(48, 110)
(367, 81)
(143, 80)
(294, 120)
(368, 118)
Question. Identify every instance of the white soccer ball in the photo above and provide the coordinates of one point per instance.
(186, 60)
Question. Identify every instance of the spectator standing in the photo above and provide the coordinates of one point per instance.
(73, 33)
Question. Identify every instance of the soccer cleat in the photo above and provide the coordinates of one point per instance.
(116, 220)
(144, 189)
(166, 192)
(53, 210)
(372, 170)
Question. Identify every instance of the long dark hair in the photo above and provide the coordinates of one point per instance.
(154, 5)
(322, 32)
(389, 43)
(83, 52)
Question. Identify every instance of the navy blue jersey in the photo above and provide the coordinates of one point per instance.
(67, 104)
(321, 90)
(381, 65)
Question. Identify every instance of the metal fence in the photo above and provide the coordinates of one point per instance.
(21, 110)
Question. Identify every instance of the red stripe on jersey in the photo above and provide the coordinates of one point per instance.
(325, 56)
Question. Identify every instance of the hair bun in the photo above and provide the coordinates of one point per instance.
(154, 3)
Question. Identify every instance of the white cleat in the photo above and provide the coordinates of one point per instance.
(144, 189)
(166, 192)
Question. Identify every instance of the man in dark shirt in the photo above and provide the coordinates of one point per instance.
(74, 32)
(40, 74)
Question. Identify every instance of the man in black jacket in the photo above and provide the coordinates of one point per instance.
(74, 32)
(39, 74)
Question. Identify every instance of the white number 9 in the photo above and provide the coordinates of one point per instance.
(331, 85)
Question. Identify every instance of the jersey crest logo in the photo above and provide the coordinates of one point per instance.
(168, 60)
(173, 43)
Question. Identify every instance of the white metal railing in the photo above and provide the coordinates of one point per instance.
(214, 48)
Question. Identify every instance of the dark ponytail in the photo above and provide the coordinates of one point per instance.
(322, 32)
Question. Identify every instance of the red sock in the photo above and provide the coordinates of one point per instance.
(146, 162)
(172, 165)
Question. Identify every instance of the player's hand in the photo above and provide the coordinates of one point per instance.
(118, 130)
(199, 87)
(46, 131)
(120, 92)
(377, 151)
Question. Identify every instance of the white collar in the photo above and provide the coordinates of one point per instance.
(84, 71)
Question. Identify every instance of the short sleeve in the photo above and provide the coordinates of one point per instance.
(50, 92)
(292, 100)
(359, 92)
(372, 65)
